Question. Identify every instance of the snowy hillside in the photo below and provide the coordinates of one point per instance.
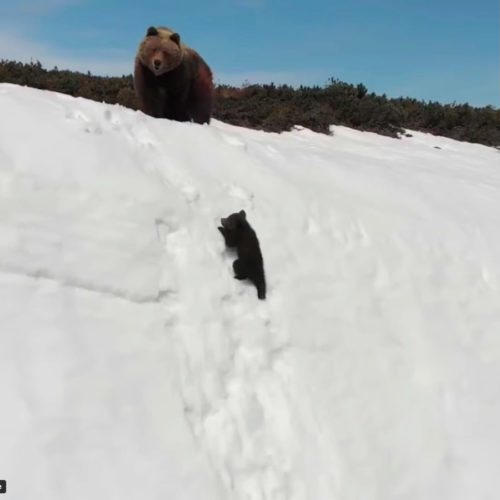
(133, 365)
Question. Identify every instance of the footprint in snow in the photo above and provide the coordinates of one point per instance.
(241, 194)
(88, 126)
(191, 194)
(113, 119)
(233, 141)
(164, 227)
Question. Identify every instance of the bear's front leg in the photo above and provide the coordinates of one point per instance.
(239, 270)
(175, 106)
(228, 237)
(149, 99)
(152, 105)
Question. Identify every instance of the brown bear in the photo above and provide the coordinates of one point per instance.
(171, 80)
(239, 234)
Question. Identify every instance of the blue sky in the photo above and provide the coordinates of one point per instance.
(439, 50)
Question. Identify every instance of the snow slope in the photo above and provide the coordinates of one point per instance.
(132, 364)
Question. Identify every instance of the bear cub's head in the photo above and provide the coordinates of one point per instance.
(234, 221)
(234, 228)
(161, 50)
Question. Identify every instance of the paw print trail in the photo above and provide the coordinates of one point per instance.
(232, 358)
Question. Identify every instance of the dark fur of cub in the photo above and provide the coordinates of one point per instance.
(239, 234)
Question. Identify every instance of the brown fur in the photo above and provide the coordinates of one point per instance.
(172, 80)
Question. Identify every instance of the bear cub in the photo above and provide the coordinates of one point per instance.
(239, 234)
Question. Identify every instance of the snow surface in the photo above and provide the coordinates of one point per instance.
(133, 365)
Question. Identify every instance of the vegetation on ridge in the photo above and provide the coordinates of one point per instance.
(279, 107)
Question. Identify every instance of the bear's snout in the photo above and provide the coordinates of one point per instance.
(157, 63)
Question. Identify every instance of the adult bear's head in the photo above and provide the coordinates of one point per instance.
(161, 50)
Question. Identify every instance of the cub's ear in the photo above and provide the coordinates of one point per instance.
(152, 31)
(243, 214)
(175, 37)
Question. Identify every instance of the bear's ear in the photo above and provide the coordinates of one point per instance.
(243, 214)
(175, 37)
(152, 31)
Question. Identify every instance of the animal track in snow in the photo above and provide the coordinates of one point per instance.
(88, 125)
(233, 141)
(191, 194)
(242, 195)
